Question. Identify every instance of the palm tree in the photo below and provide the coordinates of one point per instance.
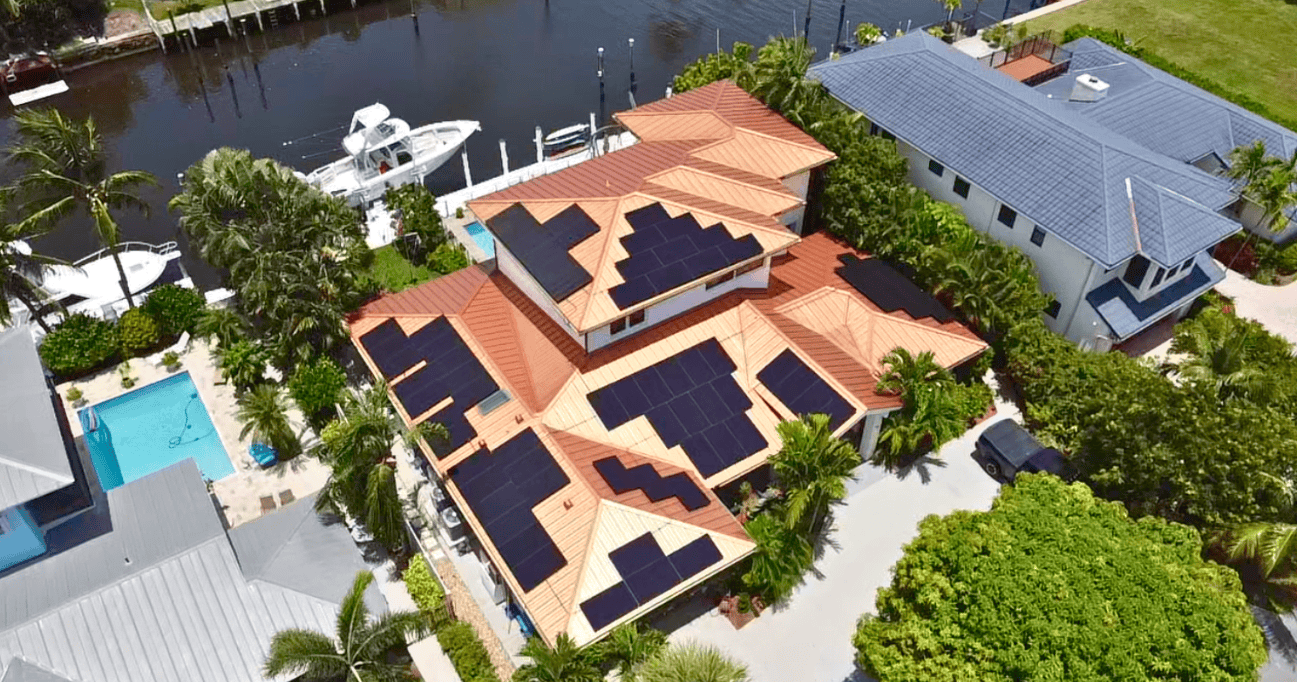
(930, 413)
(223, 325)
(242, 363)
(20, 270)
(813, 468)
(263, 411)
(628, 646)
(1249, 163)
(781, 558)
(1266, 180)
(358, 448)
(566, 662)
(64, 169)
(951, 7)
(1266, 556)
(1223, 352)
(692, 662)
(905, 372)
(358, 649)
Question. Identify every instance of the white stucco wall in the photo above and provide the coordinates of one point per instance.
(799, 184)
(684, 301)
(1252, 218)
(511, 268)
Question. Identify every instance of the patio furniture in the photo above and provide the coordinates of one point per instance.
(179, 348)
(264, 454)
(287, 497)
(267, 504)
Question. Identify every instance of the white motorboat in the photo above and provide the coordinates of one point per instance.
(566, 138)
(92, 284)
(384, 152)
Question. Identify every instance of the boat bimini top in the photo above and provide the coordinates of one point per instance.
(372, 129)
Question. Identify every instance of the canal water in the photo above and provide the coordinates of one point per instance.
(510, 64)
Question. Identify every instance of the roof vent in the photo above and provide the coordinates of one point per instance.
(1088, 89)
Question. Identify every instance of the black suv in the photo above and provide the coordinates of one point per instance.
(1005, 449)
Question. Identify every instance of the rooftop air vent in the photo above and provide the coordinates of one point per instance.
(1088, 89)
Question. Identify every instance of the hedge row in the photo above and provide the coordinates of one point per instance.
(458, 639)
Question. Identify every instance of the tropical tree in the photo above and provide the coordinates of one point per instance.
(356, 652)
(64, 169)
(357, 446)
(782, 557)
(812, 468)
(905, 373)
(628, 646)
(242, 363)
(1266, 180)
(20, 270)
(935, 409)
(951, 7)
(867, 33)
(263, 411)
(692, 662)
(1050, 557)
(1232, 356)
(1266, 556)
(565, 662)
(222, 325)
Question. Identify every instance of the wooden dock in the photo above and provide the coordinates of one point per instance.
(231, 14)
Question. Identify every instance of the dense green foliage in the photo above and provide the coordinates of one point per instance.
(448, 257)
(1265, 555)
(21, 268)
(563, 662)
(936, 408)
(425, 589)
(317, 386)
(812, 468)
(1055, 584)
(242, 363)
(263, 411)
(417, 210)
(294, 255)
(138, 332)
(782, 558)
(79, 345)
(176, 309)
(467, 652)
(28, 25)
(628, 646)
(691, 662)
(223, 326)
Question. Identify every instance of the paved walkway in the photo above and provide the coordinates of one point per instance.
(1275, 307)
(432, 662)
(810, 639)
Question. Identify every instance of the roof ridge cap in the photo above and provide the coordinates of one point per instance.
(274, 555)
(35, 470)
(601, 267)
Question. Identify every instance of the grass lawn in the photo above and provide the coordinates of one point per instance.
(394, 272)
(136, 6)
(1244, 45)
(163, 10)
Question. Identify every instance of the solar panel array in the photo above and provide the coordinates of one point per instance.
(543, 248)
(451, 372)
(646, 572)
(654, 485)
(691, 400)
(802, 390)
(668, 252)
(502, 487)
(890, 289)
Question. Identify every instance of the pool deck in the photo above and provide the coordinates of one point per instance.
(240, 493)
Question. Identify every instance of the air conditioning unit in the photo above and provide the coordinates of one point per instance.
(1088, 89)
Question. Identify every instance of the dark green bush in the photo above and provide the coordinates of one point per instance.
(175, 309)
(317, 386)
(460, 642)
(419, 216)
(447, 258)
(80, 345)
(427, 593)
(138, 332)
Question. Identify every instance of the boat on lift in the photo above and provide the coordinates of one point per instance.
(564, 139)
(384, 152)
(30, 77)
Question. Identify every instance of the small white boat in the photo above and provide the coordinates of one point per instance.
(92, 285)
(384, 152)
(566, 138)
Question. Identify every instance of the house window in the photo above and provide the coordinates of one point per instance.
(961, 187)
(936, 168)
(719, 280)
(1157, 277)
(1007, 216)
(754, 265)
(637, 318)
(1037, 236)
(1135, 271)
(617, 326)
(875, 129)
(1053, 309)
(1187, 264)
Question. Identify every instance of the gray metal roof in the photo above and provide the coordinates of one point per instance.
(22, 671)
(1160, 111)
(181, 608)
(33, 459)
(1127, 316)
(1055, 167)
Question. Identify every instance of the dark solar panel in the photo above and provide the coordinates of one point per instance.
(646, 573)
(502, 487)
(543, 248)
(655, 486)
(685, 396)
(802, 390)
(668, 252)
(388, 347)
(889, 289)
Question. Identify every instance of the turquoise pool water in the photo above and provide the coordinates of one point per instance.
(482, 238)
(150, 428)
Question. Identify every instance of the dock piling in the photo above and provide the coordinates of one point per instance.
(468, 177)
(504, 157)
(540, 146)
(594, 148)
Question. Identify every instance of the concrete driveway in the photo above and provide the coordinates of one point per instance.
(810, 639)
(1273, 307)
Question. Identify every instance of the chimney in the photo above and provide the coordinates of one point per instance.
(1088, 89)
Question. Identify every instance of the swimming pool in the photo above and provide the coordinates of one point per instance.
(482, 238)
(150, 428)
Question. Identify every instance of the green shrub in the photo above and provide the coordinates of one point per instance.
(447, 258)
(316, 386)
(80, 345)
(424, 588)
(138, 332)
(242, 363)
(460, 642)
(175, 309)
(419, 214)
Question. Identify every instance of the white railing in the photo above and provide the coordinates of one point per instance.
(160, 249)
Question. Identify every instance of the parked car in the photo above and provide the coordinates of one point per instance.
(1005, 449)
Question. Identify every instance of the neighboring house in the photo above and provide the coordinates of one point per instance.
(652, 316)
(145, 584)
(1121, 233)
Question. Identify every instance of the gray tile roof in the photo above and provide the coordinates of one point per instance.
(1127, 316)
(22, 671)
(33, 459)
(1055, 167)
(1162, 215)
(160, 598)
(1160, 111)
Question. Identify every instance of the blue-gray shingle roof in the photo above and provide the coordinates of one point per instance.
(1055, 167)
(1127, 316)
